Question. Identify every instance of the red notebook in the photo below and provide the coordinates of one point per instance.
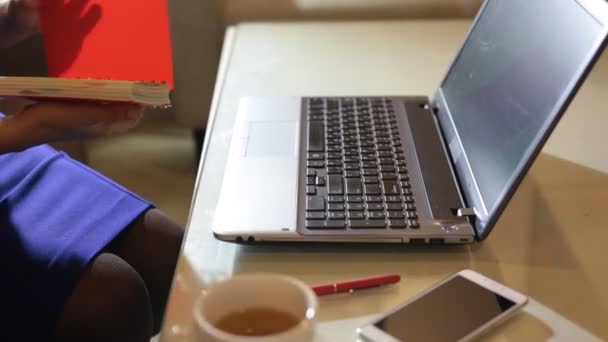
(108, 39)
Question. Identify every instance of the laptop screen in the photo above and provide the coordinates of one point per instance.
(517, 64)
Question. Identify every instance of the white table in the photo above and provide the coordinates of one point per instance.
(550, 243)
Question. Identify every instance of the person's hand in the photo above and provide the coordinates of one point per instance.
(51, 121)
(18, 20)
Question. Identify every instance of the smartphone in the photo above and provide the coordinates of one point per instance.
(458, 308)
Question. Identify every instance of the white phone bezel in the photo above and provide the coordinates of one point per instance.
(370, 332)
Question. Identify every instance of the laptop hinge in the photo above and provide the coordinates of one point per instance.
(431, 108)
(468, 212)
(460, 212)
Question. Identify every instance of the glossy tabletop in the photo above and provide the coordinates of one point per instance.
(550, 243)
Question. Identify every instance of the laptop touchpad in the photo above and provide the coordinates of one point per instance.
(271, 139)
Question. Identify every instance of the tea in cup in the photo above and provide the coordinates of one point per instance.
(256, 307)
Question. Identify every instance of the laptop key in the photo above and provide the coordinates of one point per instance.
(352, 174)
(368, 157)
(372, 189)
(335, 206)
(337, 215)
(365, 150)
(395, 215)
(350, 142)
(397, 224)
(312, 101)
(315, 164)
(375, 206)
(413, 224)
(391, 187)
(334, 185)
(356, 206)
(369, 164)
(335, 199)
(315, 215)
(387, 168)
(394, 206)
(310, 180)
(359, 215)
(353, 186)
(393, 199)
(315, 156)
(366, 224)
(370, 180)
(320, 181)
(388, 175)
(404, 177)
(334, 170)
(410, 206)
(373, 199)
(376, 215)
(315, 203)
(311, 190)
(354, 199)
(366, 143)
(351, 159)
(331, 224)
(408, 199)
(311, 172)
(316, 136)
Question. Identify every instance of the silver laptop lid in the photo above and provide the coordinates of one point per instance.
(514, 76)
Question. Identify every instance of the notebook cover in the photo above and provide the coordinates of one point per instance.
(108, 39)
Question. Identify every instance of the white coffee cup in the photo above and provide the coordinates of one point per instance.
(269, 291)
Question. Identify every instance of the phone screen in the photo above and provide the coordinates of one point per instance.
(447, 313)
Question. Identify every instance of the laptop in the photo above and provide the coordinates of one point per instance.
(413, 169)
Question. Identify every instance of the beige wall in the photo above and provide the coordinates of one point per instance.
(248, 10)
(198, 28)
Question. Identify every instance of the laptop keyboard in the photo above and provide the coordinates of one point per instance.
(356, 174)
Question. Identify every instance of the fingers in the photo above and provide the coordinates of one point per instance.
(76, 6)
(130, 116)
(89, 19)
(128, 119)
(84, 113)
(61, 120)
(51, 121)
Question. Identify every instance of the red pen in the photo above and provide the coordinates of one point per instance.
(355, 284)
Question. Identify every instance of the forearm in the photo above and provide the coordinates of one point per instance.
(14, 135)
